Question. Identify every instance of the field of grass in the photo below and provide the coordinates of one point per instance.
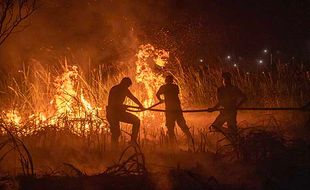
(42, 147)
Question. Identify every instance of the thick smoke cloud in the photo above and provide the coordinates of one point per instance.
(98, 32)
(108, 31)
(104, 31)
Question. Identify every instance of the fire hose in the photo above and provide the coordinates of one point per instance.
(305, 108)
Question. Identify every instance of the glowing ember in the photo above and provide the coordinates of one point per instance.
(38, 118)
(13, 117)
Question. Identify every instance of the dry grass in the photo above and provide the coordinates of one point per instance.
(32, 91)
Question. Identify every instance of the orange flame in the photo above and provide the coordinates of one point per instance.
(70, 102)
(146, 56)
(13, 117)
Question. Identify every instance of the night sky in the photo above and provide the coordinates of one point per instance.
(190, 30)
(243, 27)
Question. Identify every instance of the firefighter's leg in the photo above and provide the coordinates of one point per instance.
(115, 131)
(135, 121)
(232, 123)
(170, 123)
(114, 127)
(184, 127)
(219, 122)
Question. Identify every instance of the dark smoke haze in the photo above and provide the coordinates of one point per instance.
(98, 32)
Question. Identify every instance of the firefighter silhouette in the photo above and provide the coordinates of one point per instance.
(116, 110)
(173, 113)
(229, 98)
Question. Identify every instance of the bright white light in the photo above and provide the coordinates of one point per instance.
(265, 50)
(200, 60)
(228, 57)
(247, 73)
(260, 61)
(235, 65)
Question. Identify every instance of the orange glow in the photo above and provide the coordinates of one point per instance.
(71, 108)
(147, 55)
(13, 117)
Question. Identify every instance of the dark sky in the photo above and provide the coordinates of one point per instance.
(107, 30)
(243, 27)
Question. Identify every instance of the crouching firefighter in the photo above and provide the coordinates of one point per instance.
(173, 113)
(116, 111)
(229, 98)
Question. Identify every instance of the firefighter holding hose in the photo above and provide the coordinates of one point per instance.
(173, 112)
(116, 111)
(229, 98)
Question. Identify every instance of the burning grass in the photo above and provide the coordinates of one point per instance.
(40, 98)
(58, 115)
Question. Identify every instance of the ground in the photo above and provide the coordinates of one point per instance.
(273, 156)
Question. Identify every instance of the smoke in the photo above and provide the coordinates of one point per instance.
(103, 31)
(96, 32)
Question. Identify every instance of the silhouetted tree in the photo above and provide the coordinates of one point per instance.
(12, 14)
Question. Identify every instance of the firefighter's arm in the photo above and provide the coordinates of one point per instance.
(159, 93)
(134, 99)
(214, 108)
